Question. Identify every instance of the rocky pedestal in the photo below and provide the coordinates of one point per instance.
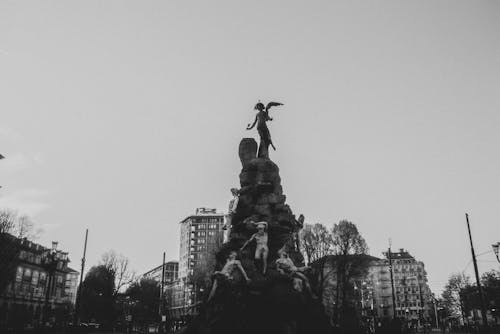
(269, 303)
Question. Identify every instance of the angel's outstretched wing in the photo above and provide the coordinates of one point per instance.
(273, 104)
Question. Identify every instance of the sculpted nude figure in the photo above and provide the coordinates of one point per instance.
(285, 265)
(226, 273)
(261, 249)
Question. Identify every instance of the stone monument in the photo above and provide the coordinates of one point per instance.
(274, 302)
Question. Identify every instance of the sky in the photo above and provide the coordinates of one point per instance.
(124, 116)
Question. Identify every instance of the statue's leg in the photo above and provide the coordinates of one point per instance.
(257, 253)
(263, 149)
(214, 287)
(265, 253)
(264, 142)
(228, 222)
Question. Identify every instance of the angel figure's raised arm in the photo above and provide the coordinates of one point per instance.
(250, 127)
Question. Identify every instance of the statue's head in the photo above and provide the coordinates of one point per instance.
(261, 227)
(232, 255)
(259, 106)
(283, 254)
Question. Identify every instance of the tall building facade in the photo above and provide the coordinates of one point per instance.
(378, 284)
(413, 295)
(201, 235)
(42, 288)
(171, 272)
(372, 289)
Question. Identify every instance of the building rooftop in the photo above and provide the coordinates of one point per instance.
(351, 257)
(39, 249)
(203, 212)
(402, 254)
(71, 270)
(158, 267)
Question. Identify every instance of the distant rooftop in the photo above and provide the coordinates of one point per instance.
(71, 270)
(161, 265)
(204, 212)
(350, 257)
(402, 254)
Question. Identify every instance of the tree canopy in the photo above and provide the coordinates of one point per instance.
(143, 300)
(97, 295)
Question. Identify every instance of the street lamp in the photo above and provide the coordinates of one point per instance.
(495, 250)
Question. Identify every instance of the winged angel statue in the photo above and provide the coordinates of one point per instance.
(260, 119)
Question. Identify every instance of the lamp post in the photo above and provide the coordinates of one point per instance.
(495, 250)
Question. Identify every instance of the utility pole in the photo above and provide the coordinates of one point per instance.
(392, 282)
(434, 302)
(161, 293)
(1, 157)
(478, 282)
(77, 306)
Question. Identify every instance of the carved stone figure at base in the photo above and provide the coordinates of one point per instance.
(233, 204)
(261, 249)
(285, 265)
(226, 272)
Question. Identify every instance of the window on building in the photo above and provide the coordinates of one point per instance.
(19, 274)
(34, 280)
(27, 275)
(43, 277)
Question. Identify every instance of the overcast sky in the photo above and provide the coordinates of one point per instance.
(123, 117)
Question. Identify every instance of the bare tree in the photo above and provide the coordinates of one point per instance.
(451, 295)
(7, 221)
(12, 228)
(18, 226)
(118, 265)
(347, 241)
(25, 228)
(9, 248)
(315, 242)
